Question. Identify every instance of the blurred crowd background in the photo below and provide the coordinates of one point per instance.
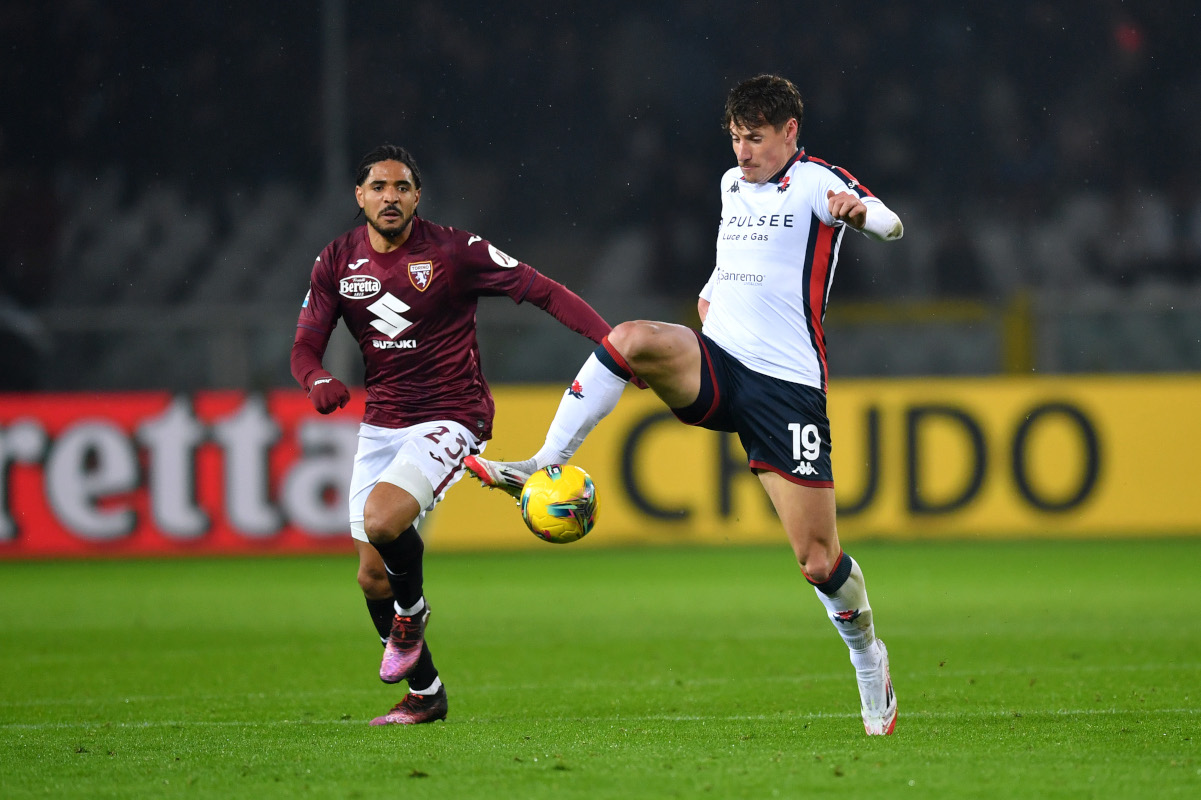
(168, 172)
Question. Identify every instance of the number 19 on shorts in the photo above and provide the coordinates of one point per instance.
(806, 441)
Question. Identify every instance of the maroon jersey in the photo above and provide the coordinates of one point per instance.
(413, 313)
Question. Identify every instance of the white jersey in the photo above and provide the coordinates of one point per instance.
(777, 248)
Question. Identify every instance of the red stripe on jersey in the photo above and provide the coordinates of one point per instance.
(819, 275)
(844, 175)
(788, 476)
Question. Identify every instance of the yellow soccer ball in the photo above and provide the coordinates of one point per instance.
(559, 503)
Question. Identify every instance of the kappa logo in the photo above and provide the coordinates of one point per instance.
(783, 187)
(733, 188)
(845, 617)
(804, 468)
(358, 263)
(575, 390)
(419, 274)
(358, 287)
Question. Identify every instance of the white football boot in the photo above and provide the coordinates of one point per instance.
(503, 475)
(878, 702)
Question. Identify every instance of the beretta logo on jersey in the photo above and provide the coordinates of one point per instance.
(419, 274)
(358, 287)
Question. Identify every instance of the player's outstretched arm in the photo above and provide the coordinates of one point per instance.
(566, 306)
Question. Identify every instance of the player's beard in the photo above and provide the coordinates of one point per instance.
(395, 230)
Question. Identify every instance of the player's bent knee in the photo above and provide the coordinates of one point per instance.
(396, 502)
(635, 339)
(383, 522)
(816, 563)
(815, 574)
(377, 526)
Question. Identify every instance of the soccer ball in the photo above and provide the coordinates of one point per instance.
(559, 503)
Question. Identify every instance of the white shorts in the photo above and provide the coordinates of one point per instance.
(425, 460)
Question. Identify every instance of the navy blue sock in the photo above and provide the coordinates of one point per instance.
(612, 360)
(842, 571)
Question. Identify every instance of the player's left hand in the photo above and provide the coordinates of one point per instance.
(327, 393)
(848, 208)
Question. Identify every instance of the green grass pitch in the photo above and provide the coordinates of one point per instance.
(1023, 669)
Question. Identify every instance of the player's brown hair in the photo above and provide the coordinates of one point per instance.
(763, 99)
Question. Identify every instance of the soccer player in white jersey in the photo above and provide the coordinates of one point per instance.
(758, 364)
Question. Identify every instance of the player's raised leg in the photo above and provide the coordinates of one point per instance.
(808, 515)
(665, 356)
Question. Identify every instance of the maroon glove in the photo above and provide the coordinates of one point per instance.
(327, 393)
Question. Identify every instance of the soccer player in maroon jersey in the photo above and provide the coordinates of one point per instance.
(407, 290)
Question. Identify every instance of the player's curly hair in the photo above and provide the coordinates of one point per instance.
(387, 152)
(763, 99)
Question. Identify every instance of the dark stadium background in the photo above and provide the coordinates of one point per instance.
(169, 171)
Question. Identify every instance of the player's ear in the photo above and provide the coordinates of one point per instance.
(358, 195)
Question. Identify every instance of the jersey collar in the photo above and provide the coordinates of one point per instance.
(779, 176)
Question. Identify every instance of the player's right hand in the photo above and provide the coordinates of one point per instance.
(847, 207)
(328, 394)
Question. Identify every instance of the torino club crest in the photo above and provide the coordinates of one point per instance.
(419, 274)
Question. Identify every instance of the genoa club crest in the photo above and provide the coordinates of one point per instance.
(419, 274)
